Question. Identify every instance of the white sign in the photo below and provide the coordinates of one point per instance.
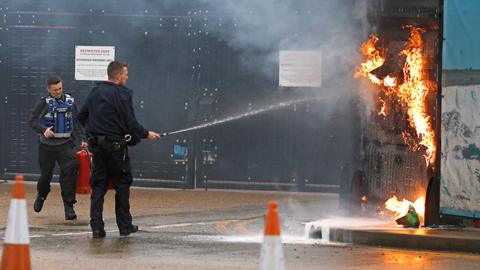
(91, 62)
(300, 68)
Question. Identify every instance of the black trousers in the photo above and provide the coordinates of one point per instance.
(64, 155)
(110, 163)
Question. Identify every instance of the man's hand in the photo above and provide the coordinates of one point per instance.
(84, 145)
(48, 133)
(153, 136)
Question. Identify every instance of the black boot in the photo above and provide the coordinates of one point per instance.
(98, 233)
(38, 204)
(129, 230)
(69, 212)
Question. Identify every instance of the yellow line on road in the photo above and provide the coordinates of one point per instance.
(221, 226)
(242, 227)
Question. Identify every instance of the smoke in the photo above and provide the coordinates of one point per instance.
(256, 30)
(240, 43)
(260, 29)
(322, 227)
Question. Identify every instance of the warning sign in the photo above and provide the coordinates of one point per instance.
(300, 68)
(91, 62)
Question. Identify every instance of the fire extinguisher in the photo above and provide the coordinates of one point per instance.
(110, 184)
(83, 177)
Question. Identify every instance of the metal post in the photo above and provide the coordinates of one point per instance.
(432, 204)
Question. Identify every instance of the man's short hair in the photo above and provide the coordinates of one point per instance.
(53, 79)
(114, 68)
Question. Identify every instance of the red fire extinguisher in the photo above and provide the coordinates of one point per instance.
(110, 184)
(83, 177)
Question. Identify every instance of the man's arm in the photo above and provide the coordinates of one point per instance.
(134, 127)
(78, 130)
(83, 114)
(36, 114)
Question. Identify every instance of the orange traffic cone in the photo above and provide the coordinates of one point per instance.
(271, 257)
(16, 246)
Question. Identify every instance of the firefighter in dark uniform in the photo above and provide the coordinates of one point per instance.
(53, 118)
(110, 125)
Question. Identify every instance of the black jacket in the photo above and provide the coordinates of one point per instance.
(108, 111)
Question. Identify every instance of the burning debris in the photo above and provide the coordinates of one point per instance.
(405, 212)
(410, 220)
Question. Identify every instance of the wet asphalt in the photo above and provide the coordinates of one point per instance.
(197, 229)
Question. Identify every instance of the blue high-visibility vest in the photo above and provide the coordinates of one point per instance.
(59, 115)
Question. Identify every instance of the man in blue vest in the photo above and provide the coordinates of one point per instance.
(53, 118)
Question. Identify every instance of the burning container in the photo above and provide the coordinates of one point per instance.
(401, 69)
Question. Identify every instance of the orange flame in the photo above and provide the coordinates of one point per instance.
(390, 81)
(383, 109)
(375, 59)
(412, 92)
(400, 208)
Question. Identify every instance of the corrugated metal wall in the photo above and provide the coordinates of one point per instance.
(182, 75)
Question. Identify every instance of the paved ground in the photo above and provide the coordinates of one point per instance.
(185, 229)
(147, 202)
(380, 232)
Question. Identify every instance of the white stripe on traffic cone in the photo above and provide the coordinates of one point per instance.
(271, 257)
(16, 246)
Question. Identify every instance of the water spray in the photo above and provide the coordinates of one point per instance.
(235, 117)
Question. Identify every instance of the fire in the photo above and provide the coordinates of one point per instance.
(375, 59)
(414, 91)
(400, 208)
(384, 107)
(390, 81)
(411, 92)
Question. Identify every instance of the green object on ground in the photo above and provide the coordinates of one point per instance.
(410, 220)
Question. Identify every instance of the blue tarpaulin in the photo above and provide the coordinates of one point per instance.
(461, 48)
